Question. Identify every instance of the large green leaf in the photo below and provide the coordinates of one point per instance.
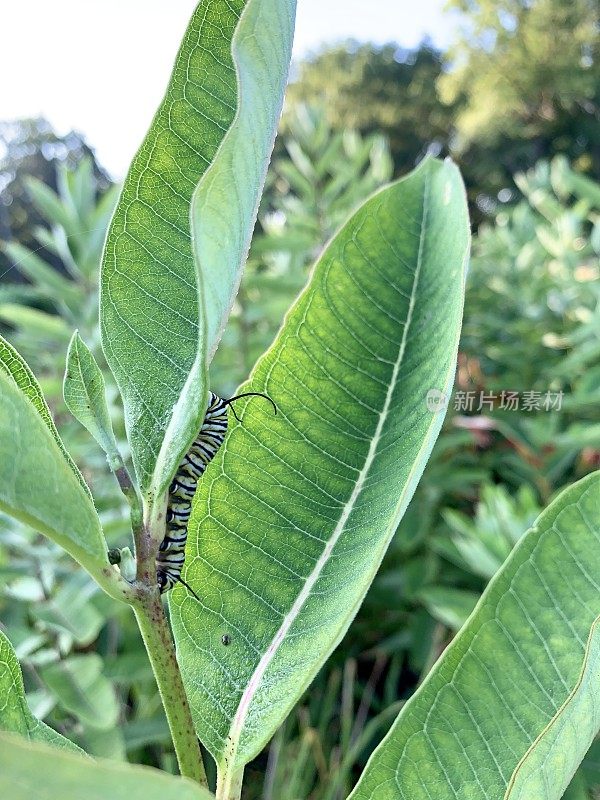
(292, 518)
(150, 303)
(15, 715)
(40, 487)
(514, 703)
(35, 771)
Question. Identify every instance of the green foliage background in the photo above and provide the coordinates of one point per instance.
(530, 151)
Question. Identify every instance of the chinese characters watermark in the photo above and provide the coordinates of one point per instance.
(483, 401)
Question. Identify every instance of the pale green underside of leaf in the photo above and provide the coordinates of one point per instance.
(37, 484)
(515, 681)
(85, 395)
(225, 205)
(292, 518)
(14, 365)
(15, 716)
(149, 302)
(36, 771)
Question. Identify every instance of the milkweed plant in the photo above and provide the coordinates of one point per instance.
(262, 524)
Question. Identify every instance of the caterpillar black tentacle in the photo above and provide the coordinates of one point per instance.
(171, 553)
(249, 394)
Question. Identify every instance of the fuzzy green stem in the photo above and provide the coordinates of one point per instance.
(161, 651)
(129, 490)
(229, 784)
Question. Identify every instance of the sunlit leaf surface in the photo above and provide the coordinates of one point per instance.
(293, 517)
(514, 703)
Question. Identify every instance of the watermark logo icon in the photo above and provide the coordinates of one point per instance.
(436, 401)
(482, 401)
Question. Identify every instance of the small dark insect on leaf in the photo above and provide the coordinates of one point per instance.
(114, 556)
(226, 639)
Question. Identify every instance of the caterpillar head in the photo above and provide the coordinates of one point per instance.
(161, 579)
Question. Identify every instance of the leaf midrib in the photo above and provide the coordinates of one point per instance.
(239, 719)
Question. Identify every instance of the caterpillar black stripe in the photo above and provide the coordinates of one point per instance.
(171, 554)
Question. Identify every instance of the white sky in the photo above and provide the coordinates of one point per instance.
(101, 66)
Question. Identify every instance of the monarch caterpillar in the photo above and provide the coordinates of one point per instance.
(171, 553)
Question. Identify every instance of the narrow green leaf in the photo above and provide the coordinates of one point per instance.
(292, 518)
(152, 294)
(51, 206)
(71, 777)
(38, 485)
(35, 322)
(15, 366)
(46, 277)
(448, 605)
(514, 703)
(15, 715)
(85, 396)
(80, 686)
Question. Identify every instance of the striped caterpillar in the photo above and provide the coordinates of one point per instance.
(171, 553)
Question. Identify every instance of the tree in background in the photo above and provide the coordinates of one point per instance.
(372, 89)
(527, 73)
(30, 148)
(521, 83)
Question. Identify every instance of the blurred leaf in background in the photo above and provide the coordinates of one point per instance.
(532, 328)
(29, 148)
(64, 284)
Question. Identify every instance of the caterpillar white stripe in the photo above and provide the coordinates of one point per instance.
(171, 554)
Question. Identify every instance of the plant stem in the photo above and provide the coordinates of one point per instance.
(158, 640)
(161, 651)
(229, 785)
(129, 490)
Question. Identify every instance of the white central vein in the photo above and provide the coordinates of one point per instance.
(239, 720)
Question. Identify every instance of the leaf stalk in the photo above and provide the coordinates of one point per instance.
(229, 784)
